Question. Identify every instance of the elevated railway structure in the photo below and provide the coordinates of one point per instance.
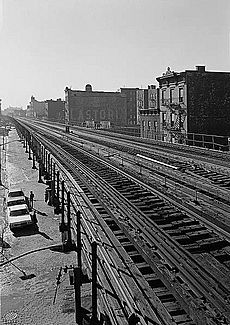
(162, 256)
(205, 176)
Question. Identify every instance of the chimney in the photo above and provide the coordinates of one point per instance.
(200, 68)
(88, 88)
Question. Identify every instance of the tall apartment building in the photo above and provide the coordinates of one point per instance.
(95, 107)
(131, 102)
(194, 101)
(55, 109)
(173, 106)
(36, 108)
(148, 112)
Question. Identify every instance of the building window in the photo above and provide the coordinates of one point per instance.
(172, 120)
(163, 118)
(163, 96)
(141, 103)
(181, 95)
(152, 103)
(152, 96)
(140, 96)
(171, 95)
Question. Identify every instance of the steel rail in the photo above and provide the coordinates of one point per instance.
(148, 142)
(132, 308)
(183, 259)
(172, 200)
(155, 146)
(97, 180)
(200, 183)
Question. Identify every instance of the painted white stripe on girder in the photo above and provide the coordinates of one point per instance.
(157, 161)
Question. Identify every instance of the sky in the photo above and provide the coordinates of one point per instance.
(46, 45)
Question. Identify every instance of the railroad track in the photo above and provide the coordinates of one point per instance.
(176, 224)
(213, 199)
(187, 151)
(177, 215)
(183, 161)
(210, 165)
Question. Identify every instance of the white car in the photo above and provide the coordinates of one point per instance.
(16, 196)
(19, 216)
(15, 201)
(15, 192)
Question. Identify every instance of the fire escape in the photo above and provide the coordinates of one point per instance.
(176, 128)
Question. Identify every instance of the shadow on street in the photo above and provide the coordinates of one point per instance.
(40, 213)
(29, 231)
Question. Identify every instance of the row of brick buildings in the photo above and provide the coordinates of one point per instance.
(190, 103)
(48, 109)
(182, 105)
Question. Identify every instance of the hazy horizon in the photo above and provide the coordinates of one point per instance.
(47, 45)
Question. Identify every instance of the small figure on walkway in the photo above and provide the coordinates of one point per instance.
(31, 199)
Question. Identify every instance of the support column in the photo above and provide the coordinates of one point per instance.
(29, 158)
(26, 145)
(62, 226)
(58, 186)
(77, 290)
(46, 161)
(3, 142)
(49, 167)
(52, 185)
(34, 166)
(57, 195)
(43, 155)
(40, 173)
(94, 318)
(69, 238)
(79, 239)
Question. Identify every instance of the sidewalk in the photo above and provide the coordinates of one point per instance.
(30, 301)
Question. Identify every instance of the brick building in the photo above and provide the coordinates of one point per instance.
(95, 107)
(55, 109)
(132, 110)
(194, 101)
(14, 111)
(36, 108)
(148, 112)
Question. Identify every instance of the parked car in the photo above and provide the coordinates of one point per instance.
(15, 192)
(19, 216)
(16, 201)
(16, 196)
